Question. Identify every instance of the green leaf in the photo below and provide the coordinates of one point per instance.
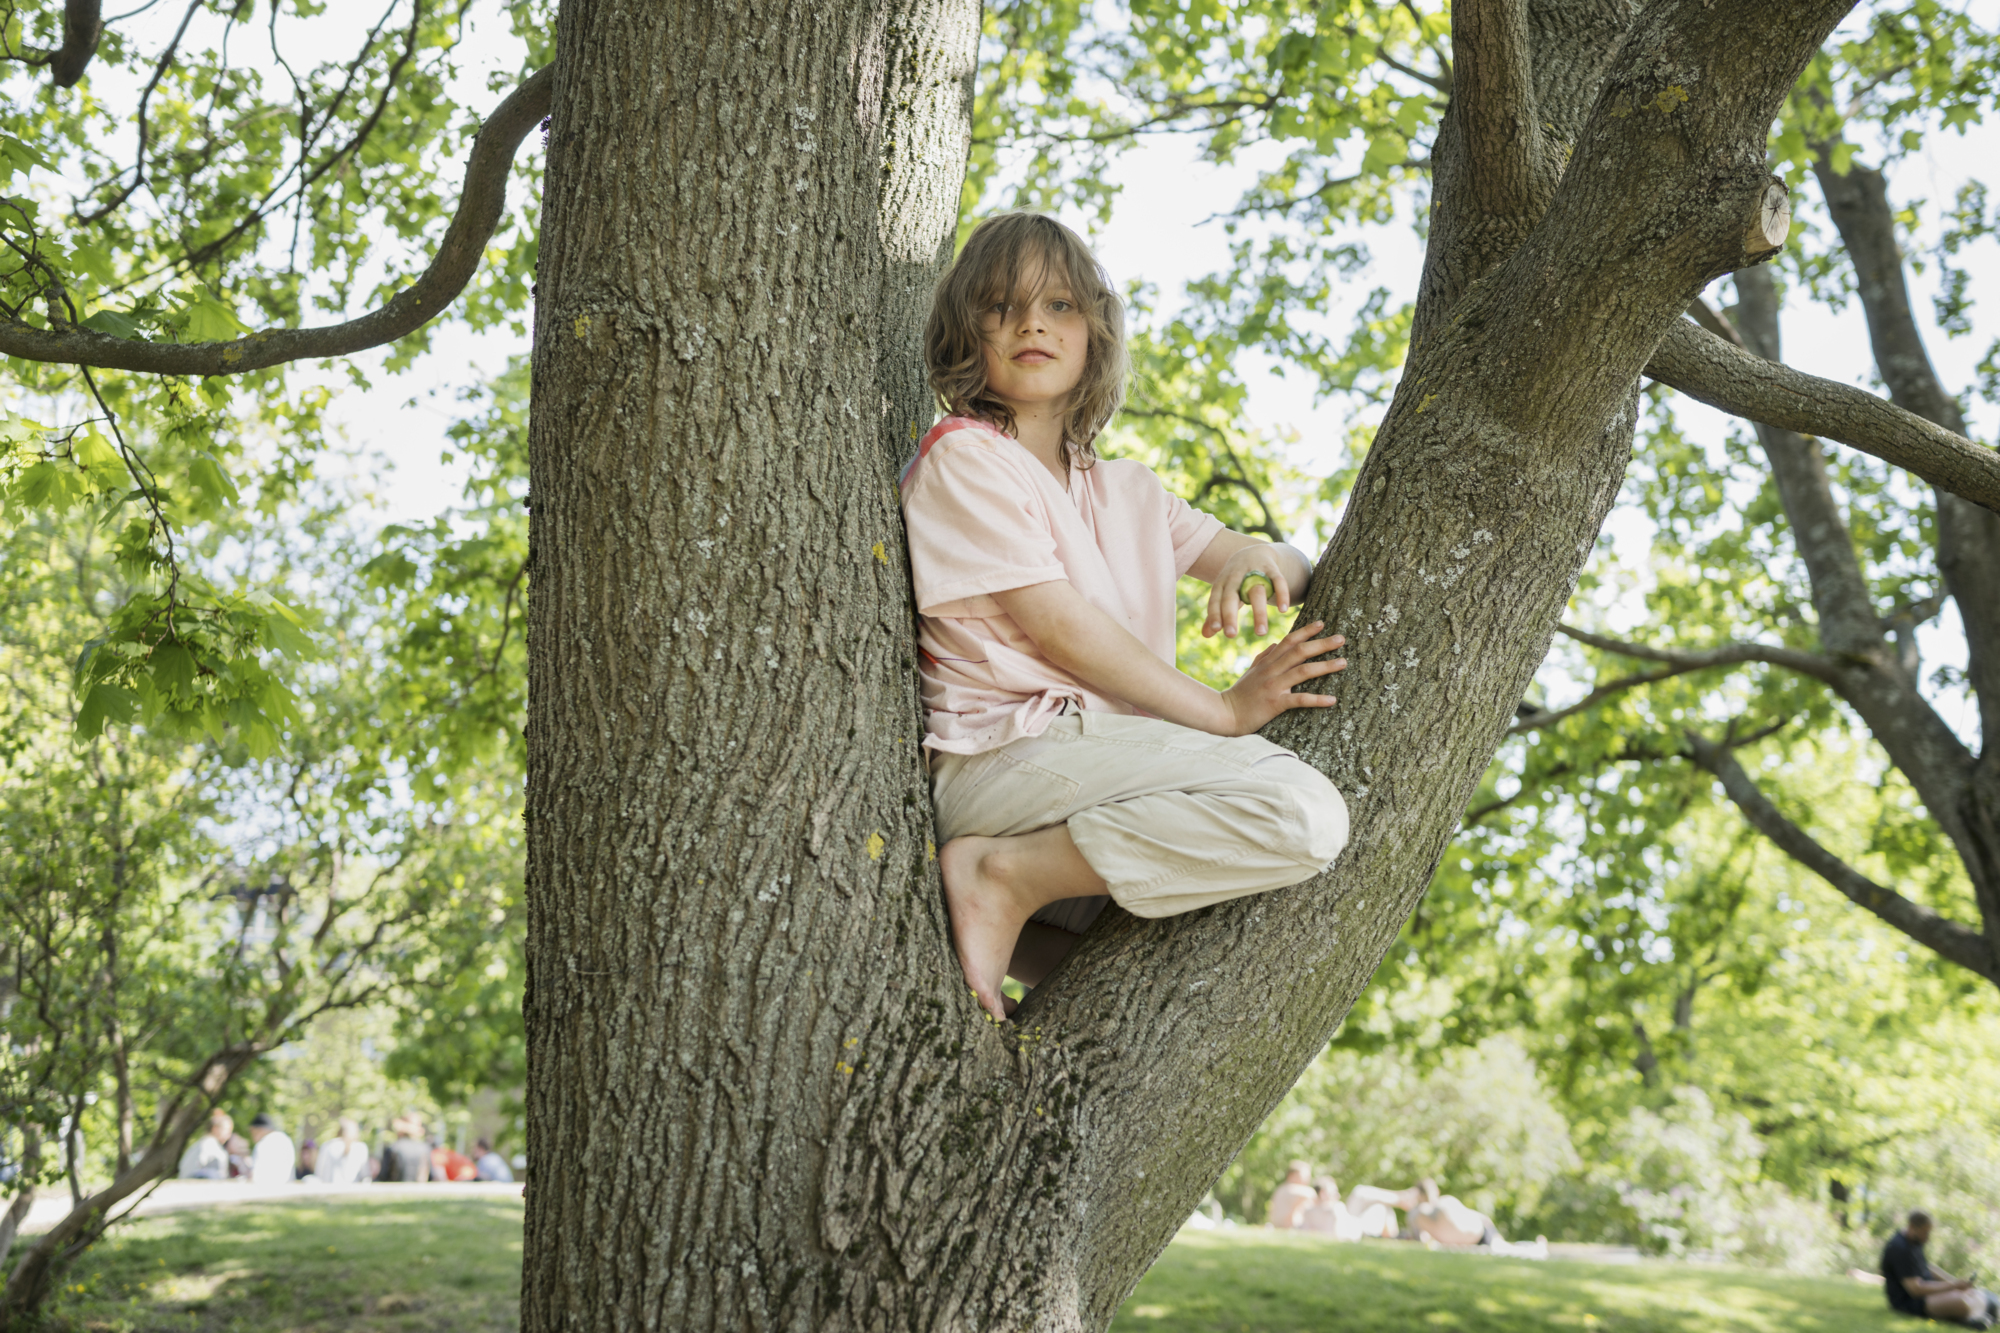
(1385, 150)
(214, 484)
(44, 486)
(113, 323)
(97, 455)
(173, 669)
(105, 703)
(286, 637)
(205, 319)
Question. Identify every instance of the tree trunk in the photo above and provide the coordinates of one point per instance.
(760, 1096)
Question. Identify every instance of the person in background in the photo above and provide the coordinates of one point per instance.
(1329, 1216)
(273, 1160)
(308, 1158)
(449, 1164)
(1914, 1287)
(407, 1158)
(490, 1165)
(207, 1155)
(239, 1156)
(343, 1159)
(1439, 1218)
(1291, 1199)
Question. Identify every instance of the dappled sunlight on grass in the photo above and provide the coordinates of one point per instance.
(453, 1266)
(1255, 1281)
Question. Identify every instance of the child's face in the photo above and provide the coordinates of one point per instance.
(1036, 349)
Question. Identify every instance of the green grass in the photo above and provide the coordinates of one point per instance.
(453, 1266)
(444, 1266)
(1260, 1282)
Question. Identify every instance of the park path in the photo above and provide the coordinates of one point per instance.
(179, 1195)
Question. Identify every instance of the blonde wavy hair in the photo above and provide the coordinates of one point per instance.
(1009, 258)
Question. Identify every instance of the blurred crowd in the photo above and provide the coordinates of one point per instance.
(404, 1152)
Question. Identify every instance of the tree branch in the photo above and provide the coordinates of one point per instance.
(1840, 593)
(1707, 369)
(479, 208)
(1493, 96)
(1794, 659)
(83, 24)
(1535, 721)
(1947, 938)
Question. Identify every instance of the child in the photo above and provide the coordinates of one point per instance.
(1070, 760)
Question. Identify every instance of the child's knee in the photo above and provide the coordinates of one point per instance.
(1317, 816)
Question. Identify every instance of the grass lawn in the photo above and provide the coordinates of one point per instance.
(1254, 1281)
(453, 1266)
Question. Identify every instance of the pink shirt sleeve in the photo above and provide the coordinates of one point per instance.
(976, 527)
(1189, 529)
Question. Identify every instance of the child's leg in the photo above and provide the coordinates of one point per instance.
(993, 885)
(1162, 818)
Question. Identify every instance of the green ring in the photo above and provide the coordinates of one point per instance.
(1257, 576)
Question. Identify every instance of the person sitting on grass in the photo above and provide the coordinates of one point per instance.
(1329, 1216)
(489, 1165)
(1441, 1219)
(273, 1159)
(207, 1155)
(343, 1159)
(407, 1158)
(1070, 760)
(1915, 1287)
(1291, 1199)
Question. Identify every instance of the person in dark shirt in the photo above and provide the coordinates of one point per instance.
(408, 1157)
(1914, 1287)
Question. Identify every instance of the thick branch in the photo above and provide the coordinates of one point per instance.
(1847, 620)
(1706, 368)
(1947, 938)
(1493, 96)
(83, 24)
(1805, 663)
(479, 209)
(1968, 542)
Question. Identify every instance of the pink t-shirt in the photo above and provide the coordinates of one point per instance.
(984, 516)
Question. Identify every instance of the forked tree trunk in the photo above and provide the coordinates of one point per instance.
(760, 1095)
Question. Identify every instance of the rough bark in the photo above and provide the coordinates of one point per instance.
(734, 917)
(760, 1096)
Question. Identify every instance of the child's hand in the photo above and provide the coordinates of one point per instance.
(1266, 688)
(1225, 596)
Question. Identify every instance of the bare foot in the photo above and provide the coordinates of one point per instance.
(985, 918)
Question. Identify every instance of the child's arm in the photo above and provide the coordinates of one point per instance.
(1228, 559)
(1102, 653)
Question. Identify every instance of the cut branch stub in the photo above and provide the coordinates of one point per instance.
(1772, 223)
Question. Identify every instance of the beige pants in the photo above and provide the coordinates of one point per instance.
(1172, 819)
